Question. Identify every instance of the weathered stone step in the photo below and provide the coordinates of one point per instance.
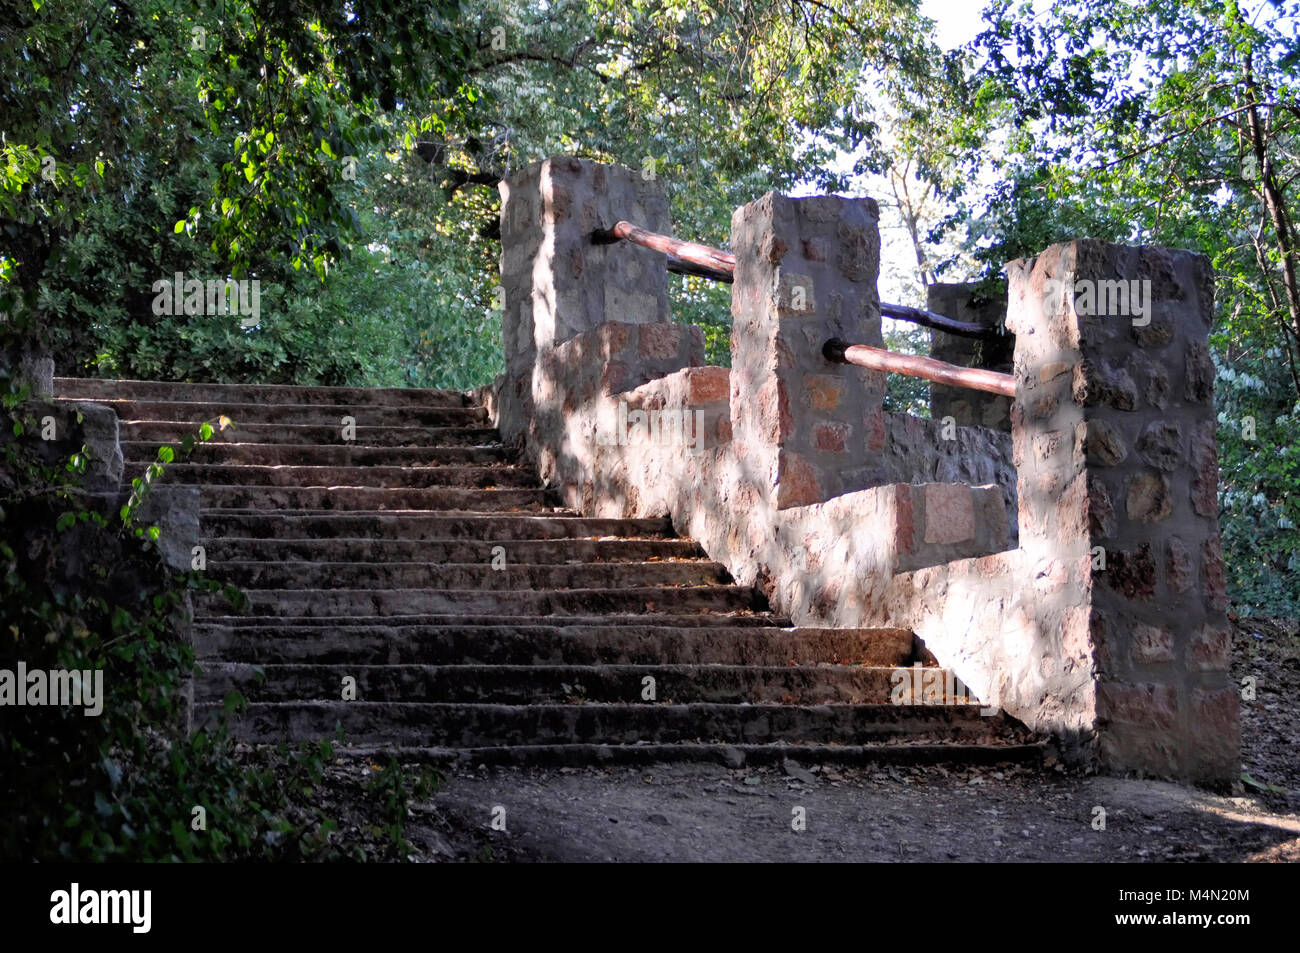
(343, 454)
(739, 617)
(473, 725)
(325, 415)
(484, 528)
(890, 752)
(82, 388)
(411, 476)
(556, 684)
(516, 551)
(376, 498)
(173, 431)
(383, 602)
(591, 640)
(418, 575)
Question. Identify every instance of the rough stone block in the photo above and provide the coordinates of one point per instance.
(949, 513)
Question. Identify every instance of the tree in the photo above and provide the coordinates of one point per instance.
(1171, 123)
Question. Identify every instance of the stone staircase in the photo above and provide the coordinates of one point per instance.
(481, 620)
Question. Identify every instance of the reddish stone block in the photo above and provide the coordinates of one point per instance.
(1217, 715)
(1209, 648)
(904, 522)
(1041, 406)
(949, 513)
(831, 437)
(875, 425)
(707, 385)
(659, 341)
(1212, 574)
(614, 378)
(859, 252)
(1132, 572)
(1105, 444)
(1205, 471)
(799, 483)
(616, 335)
(1098, 383)
(1153, 706)
(1078, 639)
(823, 391)
(1101, 512)
(1179, 566)
(557, 200)
(776, 424)
(1198, 382)
(1149, 498)
(1152, 645)
(1161, 445)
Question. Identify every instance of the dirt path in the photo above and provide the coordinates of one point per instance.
(707, 813)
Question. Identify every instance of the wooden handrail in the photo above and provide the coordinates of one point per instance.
(913, 365)
(689, 258)
(711, 262)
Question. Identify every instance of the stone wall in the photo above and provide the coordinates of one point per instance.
(925, 450)
(1103, 627)
(970, 408)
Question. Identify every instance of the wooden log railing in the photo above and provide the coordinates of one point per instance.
(689, 258)
(913, 365)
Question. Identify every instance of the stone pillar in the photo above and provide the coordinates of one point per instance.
(29, 366)
(1114, 441)
(556, 283)
(970, 408)
(806, 271)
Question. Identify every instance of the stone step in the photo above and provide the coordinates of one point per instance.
(557, 684)
(463, 725)
(344, 454)
(329, 416)
(317, 435)
(410, 476)
(384, 602)
(81, 388)
(992, 751)
(553, 552)
(586, 640)
(734, 618)
(372, 559)
(367, 498)
(299, 574)
(419, 525)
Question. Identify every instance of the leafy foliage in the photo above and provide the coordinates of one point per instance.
(1168, 123)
